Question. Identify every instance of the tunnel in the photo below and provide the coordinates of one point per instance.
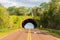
(29, 21)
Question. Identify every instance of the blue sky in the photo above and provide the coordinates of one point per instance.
(26, 3)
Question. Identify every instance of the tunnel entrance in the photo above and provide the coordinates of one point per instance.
(30, 22)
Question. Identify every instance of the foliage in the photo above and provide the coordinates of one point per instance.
(18, 10)
(36, 11)
(3, 17)
(44, 6)
(48, 19)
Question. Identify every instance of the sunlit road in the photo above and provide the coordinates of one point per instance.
(29, 35)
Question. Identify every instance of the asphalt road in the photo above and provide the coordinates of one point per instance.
(29, 35)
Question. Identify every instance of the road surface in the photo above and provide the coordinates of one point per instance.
(29, 35)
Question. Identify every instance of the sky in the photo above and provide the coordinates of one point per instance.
(29, 26)
(26, 3)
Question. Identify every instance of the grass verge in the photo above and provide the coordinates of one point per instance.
(51, 32)
(7, 32)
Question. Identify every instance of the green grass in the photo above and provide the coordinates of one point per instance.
(51, 32)
(5, 32)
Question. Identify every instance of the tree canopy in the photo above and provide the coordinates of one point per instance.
(3, 16)
(18, 10)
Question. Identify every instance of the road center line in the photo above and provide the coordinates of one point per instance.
(29, 35)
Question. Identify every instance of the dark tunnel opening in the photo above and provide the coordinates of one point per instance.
(29, 21)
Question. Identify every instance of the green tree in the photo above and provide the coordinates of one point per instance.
(44, 6)
(23, 11)
(48, 19)
(36, 11)
(57, 16)
(18, 10)
(12, 10)
(3, 17)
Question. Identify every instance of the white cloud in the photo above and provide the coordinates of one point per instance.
(5, 1)
(8, 3)
(34, 0)
(39, 0)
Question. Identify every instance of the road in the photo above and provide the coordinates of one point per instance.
(29, 35)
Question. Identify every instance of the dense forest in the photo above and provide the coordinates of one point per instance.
(48, 13)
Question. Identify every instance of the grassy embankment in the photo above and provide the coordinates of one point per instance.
(7, 32)
(53, 32)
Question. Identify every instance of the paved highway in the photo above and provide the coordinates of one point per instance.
(29, 35)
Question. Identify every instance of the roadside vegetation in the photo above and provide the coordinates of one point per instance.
(47, 15)
(53, 32)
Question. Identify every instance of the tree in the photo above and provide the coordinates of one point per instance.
(23, 10)
(57, 16)
(48, 19)
(44, 6)
(12, 10)
(3, 17)
(36, 11)
(18, 10)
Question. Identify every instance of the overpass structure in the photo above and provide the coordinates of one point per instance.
(28, 19)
